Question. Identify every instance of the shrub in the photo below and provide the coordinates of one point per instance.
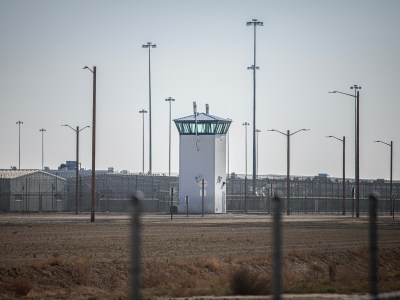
(20, 286)
(244, 281)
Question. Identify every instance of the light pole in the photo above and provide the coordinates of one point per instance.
(343, 140)
(356, 97)
(19, 144)
(254, 23)
(245, 124)
(288, 134)
(42, 130)
(93, 191)
(77, 130)
(391, 176)
(143, 112)
(149, 45)
(170, 100)
(257, 132)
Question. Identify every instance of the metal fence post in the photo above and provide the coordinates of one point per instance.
(277, 247)
(172, 197)
(135, 251)
(202, 197)
(187, 205)
(373, 247)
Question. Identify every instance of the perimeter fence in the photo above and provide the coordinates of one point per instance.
(57, 192)
(308, 194)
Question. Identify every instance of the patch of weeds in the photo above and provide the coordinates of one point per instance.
(20, 286)
(244, 281)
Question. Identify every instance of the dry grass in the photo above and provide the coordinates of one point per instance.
(245, 281)
(20, 286)
(189, 258)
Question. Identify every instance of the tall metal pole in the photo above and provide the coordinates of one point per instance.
(391, 199)
(357, 144)
(245, 124)
(288, 173)
(391, 177)
(150, 131)
(150, 45)
(344, 178)
(143, 112)
(288, 134)
(92, 212)
(358, 158)
(42, 130)
(254, 116)
(344, 172)
(257, 131)
(77, 172)
(19, 144)
(93, 190)
(169, 155)
(254, 23)
(77, 131)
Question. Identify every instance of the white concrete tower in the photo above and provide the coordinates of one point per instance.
(202, 155)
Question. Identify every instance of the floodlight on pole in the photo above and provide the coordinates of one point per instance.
(288, 135)
(343, 140)
(77, 130)
(143, 112)
(391, 176)
(170, 100)
(254, 67)
(93, 188)
(150, 45)
(19, 143)
(356, 97)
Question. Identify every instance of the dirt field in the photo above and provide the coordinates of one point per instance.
(64, 256)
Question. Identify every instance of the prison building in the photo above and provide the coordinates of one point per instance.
(31, 190)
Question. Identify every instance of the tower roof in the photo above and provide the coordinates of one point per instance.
(202, 117)
(202, 124)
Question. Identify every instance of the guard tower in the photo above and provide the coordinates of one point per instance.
(202, 155)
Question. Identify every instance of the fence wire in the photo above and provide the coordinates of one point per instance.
(114, 191)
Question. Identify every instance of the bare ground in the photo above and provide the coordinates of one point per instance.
(64, 256)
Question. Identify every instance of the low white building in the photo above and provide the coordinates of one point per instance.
(202, 156)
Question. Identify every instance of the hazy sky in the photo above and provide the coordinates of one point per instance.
(304, 50)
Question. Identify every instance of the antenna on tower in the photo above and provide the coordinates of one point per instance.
(207, 109)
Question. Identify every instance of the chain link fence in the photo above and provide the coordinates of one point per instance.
(308, 194)
(43, 191)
